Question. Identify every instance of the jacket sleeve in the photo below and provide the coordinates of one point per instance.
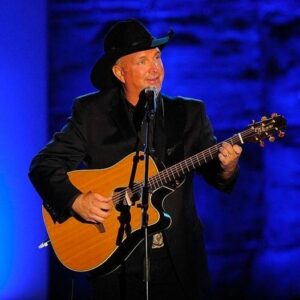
(48, 169)
(199, 127)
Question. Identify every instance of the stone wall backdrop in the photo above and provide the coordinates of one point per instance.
(243, 59)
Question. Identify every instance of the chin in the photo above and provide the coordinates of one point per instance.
(156, 85)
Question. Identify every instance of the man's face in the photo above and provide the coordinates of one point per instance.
(140, 70)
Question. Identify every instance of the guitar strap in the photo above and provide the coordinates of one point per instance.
(175, 118)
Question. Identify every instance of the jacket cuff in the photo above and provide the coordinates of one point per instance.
(227, 185)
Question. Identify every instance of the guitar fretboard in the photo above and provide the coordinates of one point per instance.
(180, 169)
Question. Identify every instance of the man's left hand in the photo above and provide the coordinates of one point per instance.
(229, 157)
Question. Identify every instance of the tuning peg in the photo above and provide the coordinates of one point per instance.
(261, 144)
(281, 134)
(271, 139)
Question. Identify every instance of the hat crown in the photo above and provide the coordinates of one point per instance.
(126, 34)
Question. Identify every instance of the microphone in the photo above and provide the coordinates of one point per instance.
(147, 103)
(149, 97)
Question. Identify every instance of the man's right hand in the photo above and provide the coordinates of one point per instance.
(92, 207)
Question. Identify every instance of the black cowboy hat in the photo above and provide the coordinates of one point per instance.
(123, 38)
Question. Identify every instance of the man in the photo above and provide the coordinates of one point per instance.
(102, 130)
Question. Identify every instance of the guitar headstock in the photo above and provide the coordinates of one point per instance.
(266, 128)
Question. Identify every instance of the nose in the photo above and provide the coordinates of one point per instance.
(154, 67)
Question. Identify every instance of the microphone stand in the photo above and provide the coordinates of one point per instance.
(150, 114)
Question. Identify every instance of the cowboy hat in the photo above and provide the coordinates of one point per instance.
(123, 38)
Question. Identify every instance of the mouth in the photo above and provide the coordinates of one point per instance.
(153, 81)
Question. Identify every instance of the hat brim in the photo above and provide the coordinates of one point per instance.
(102, 76)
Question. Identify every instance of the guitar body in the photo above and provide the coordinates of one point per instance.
(83, 246)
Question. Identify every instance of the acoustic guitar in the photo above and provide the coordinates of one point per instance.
(83, 246)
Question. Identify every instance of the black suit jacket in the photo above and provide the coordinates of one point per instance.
(100, 133)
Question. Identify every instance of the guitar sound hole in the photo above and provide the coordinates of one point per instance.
(129, 198)
(121, 205)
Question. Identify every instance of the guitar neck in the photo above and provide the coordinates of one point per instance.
(255, 132)
(193, 162)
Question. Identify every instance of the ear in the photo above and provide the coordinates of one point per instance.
(118, 72)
